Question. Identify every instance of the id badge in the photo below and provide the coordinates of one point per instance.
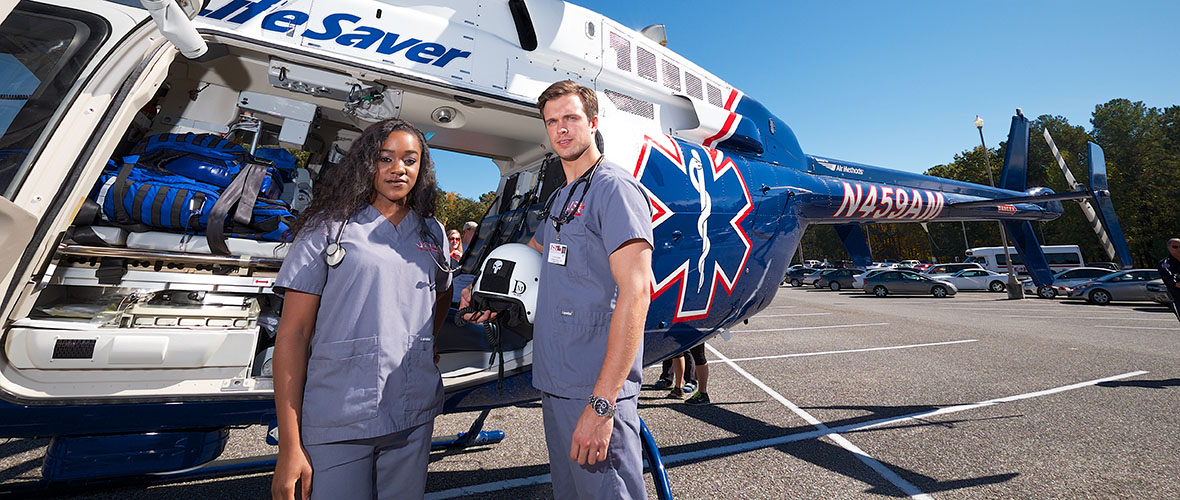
(557, 253)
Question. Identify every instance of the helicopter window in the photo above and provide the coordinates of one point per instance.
(622, 48)
(42, 51)
(647, 63)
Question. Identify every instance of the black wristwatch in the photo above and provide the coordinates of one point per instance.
(602, 407)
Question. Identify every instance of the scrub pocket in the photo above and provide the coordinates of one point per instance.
(576, 264)
(423, 383)
(583, 342)
(341, 385)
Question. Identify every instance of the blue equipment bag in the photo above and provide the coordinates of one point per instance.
(141, 199)
(210, 159)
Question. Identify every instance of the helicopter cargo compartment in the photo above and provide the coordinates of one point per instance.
(134, 305)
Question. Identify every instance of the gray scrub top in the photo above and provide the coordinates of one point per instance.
(577, 300)
(371, 367)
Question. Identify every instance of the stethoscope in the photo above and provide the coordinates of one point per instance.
(334, 253)
(567, 213)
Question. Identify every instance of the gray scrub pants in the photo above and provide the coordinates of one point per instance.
(390, 466)
(619, 476)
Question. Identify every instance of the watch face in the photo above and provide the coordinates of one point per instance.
(601, 407)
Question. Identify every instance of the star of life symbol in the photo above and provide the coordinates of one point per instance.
(496, 265)
(707, 245)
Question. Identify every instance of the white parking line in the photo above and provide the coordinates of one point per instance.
(1138, 327)
(867, 349)
(905, 486)
(1086, 317)
(789, 315)
(992, 402)
(734, 449)
(1104, 309)
(808, 328)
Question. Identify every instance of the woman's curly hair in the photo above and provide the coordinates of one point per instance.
(348, 186)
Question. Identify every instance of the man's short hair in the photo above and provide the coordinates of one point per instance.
(567, 87)
(470, 225)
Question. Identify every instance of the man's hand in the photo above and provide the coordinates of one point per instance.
(474, 317)
(591, 440)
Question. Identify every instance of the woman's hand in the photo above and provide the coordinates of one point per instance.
(293, 467)
(474, 317)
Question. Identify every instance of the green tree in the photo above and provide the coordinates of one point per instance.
(454, 210)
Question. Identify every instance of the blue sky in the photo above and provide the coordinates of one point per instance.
(898, 84)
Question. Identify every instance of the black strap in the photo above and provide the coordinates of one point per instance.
(177, 205)
(120, 188)
(255, 173)
(158, 203)
(110, 271)
(137, 205)
(242, 192)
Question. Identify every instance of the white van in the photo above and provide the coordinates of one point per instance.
(1060, 257)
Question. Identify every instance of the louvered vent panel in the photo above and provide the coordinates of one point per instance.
(715, 96)
(692, 84)
(622, 48)
(671, 76)
(638, 107)
(646, 62)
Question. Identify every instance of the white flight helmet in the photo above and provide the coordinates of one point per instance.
(508, 281)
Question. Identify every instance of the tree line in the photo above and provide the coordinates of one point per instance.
(1142, 148)
(453, 210)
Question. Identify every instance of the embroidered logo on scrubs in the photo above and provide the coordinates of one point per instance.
(575, 208)
(427, 246)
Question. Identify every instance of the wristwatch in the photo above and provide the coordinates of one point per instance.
(602, 407)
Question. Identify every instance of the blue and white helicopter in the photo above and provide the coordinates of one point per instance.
(137, 354)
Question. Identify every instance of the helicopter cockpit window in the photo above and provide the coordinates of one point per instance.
(42, 52)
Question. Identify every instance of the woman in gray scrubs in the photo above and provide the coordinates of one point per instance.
(366, 286)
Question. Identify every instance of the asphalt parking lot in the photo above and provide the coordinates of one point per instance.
(843, 395)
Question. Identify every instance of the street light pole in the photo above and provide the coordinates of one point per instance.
(1015, 291)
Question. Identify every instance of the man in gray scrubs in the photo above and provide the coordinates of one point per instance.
(596, 240)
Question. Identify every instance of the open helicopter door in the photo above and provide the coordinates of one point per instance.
(55, 100)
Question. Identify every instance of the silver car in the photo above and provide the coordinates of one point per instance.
(1130, 285)
(977, 279)
(1158, 292)
(1065, 280)
(900, 282)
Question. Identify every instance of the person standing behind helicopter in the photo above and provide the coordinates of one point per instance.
(356, 388)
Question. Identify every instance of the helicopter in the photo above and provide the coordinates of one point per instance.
(136, 351)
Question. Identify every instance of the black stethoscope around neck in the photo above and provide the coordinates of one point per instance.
(568, 211)
(334, 253)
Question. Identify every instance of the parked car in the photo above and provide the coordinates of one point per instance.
(947, 269)
(810, 278)
(1065, 280)
(922, 266)
(1157, 291)
(858, 281)
(1129, 285)
(908, 263)
(837, 279)
(900, 282)
(795, 276)
(978, 279)
(1105, 265)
